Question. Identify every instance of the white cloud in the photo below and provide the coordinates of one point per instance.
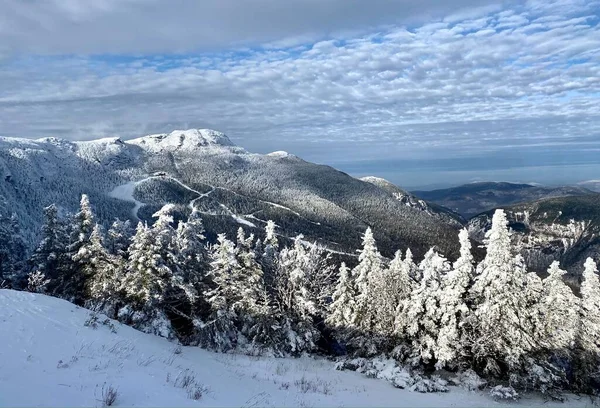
(398, 91)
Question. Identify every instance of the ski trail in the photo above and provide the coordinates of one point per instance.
(125, 192)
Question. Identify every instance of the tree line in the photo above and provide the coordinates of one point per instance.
(260, 296)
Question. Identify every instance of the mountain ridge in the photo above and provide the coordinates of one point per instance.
(229, 185)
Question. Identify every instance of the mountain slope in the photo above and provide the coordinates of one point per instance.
(49, 357)
(475, 198)
(566, 229)
(232, 187)
(413, 201)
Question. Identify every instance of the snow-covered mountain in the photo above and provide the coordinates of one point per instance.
(566, 229)
(413, 201)
(475, 198)
(230, 186)
(52, 356)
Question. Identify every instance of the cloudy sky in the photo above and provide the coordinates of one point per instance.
(425, 92)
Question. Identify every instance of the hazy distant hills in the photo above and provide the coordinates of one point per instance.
(202, 169)
(475, 198)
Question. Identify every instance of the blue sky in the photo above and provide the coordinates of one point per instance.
(424, 93)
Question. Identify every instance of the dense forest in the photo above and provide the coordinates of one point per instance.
(491, 320)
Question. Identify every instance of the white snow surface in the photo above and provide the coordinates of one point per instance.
(125, 192)
(184, 140)
(48, 357)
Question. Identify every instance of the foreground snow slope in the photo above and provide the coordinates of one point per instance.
(48, 357)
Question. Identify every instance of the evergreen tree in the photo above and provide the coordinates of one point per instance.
(589, 335)
(269, 255)
(369, 263)
(421, 312)
(12, 250)
(300, 290)
(392, 289)
(144, 281)
(342, 305)
(503, 331)
(560, 311)
(50, 256)
(100, 269)
(453, 305)
(219, 331)
(118, 237)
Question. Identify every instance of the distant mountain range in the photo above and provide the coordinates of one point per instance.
(566, 229)
(203, 169)
(475, 198)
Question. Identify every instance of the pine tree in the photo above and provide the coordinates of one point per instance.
(453, 305)
(421, 312)
(503, 331)
(342, 305)
(560, 311)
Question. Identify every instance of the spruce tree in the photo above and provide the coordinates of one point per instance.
(342, 305)
(502, 327)
(118, 237)
(422, 310)
(100, 269)
(589, 335)
(560, 308)
(453, 305)
(219, 331)
(369, 263)
(50, 257)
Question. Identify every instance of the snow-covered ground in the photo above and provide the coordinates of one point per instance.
(48, 357)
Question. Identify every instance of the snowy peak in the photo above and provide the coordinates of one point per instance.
(183, 140)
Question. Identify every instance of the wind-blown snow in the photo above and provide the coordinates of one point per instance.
(48, 357)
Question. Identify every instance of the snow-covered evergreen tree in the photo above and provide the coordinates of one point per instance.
(560, 308)
(51, 254)
(118, 237)
(369, 263)
(342, 305)
(453, 305)
(421, 312)
(391, 287)
(12, 249)
(73, 279)
(269, 255)
(219, 330)
(192, 258)
(589, 335)
(301, 288)
(100, 268)
(502, 327)
(145, 280)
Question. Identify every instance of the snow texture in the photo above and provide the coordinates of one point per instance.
(49, 357)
